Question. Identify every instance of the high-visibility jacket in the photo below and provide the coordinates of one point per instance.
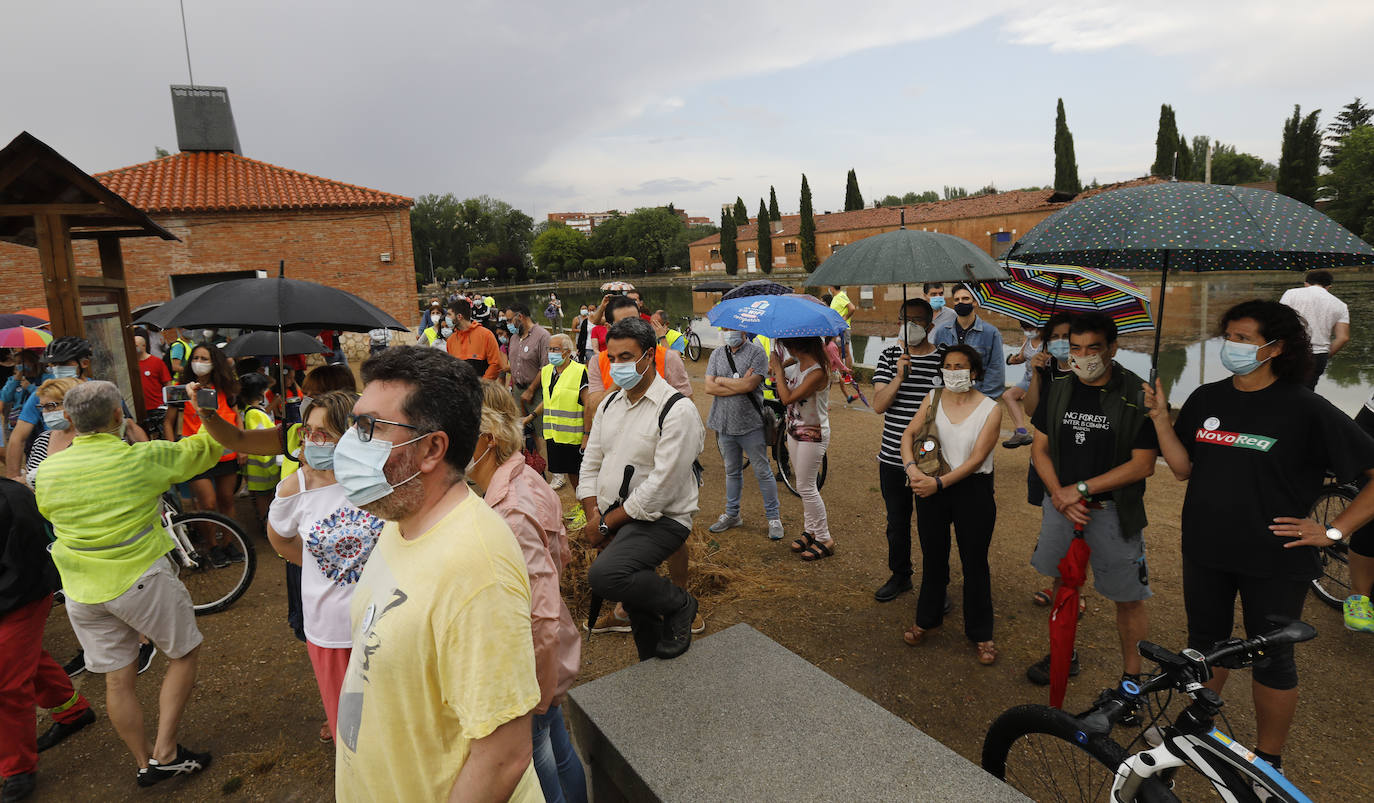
(562, 403)
(605, 360)
(430, 335)
(190, 421)
(768, 391)
(294, 445)
(674, 340)
(261, 471)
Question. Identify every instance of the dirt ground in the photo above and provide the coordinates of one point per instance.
(257, 708)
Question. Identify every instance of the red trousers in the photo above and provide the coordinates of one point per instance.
(29, 677)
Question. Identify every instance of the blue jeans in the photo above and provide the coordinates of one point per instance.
(732, 449)
(557, 765)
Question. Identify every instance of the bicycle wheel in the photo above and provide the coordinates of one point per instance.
(693, 346)
(1333, 586)
(212, 589)
(1038, 751)
(786, 475)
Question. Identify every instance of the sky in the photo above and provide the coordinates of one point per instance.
(617, 105)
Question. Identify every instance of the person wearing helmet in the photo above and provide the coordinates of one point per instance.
(66, 357)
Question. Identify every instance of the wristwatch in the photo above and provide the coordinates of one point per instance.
(603, 529)
(1334, 535)
(1082, 487)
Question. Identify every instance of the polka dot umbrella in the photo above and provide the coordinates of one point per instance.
(1190, 226)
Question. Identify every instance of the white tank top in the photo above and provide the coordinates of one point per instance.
(957, 440)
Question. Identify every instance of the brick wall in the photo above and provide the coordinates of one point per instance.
(339, 248)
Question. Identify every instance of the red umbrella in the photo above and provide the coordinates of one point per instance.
(1073, 570)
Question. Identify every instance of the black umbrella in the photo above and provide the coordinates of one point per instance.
(265, 344)
(713, 287)
(1189, 226)
(907, 256)
(10, 320)
(757, 287)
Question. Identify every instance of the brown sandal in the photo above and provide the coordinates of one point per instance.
(916, 635)
(987, 653)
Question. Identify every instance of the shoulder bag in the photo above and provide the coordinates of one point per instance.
(930, 458)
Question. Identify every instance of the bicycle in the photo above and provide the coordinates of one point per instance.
(783, 460)
(1048, 754)
(1333, 586)
(693, 346)
(212, 588)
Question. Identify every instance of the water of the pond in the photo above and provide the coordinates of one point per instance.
(1188, 358)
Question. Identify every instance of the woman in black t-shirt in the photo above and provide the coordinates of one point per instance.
(1255, 449)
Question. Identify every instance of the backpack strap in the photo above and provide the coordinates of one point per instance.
(667, 407)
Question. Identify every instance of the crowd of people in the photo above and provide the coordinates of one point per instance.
(424, 539)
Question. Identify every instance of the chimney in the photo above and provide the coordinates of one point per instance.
(203, 118)
(776, 226)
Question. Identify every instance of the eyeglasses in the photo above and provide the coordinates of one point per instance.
(50, 407)
(319, 437)
(366, 424)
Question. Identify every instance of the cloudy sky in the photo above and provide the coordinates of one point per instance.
(610, 104)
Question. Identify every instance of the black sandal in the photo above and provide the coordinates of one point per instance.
(817, 551)
(803, 543)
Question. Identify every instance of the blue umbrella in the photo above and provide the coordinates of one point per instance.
(777, 316)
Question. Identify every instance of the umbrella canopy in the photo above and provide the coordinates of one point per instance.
(265, 344)
(757, 287)
(1034, 292)
(713, 287)
(1073, 570)
(906, 256)
(777, 316)
(276, 303)
(13, 319)
(617, 286)
(36, 312)
(24, 337)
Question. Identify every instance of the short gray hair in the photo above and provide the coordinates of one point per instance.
(561, 341)
(91, 405)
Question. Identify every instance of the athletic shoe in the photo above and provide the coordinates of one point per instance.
(76, 665)
(232, 554)
(677, 630)
(698, 625)
(1359, 614)
(185, 763)
(145, 657)
(1018, 438)
(1039, 672)
(725, 522)
(61, 730)
(217, 557)
(577, 519)
(559, 480)
(775, 530)
(894, 587)
(610, 623)
(18, 787)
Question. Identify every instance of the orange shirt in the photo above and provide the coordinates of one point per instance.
(190, 421)
(476, 343)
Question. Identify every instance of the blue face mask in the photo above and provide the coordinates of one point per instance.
(555, 358)
(65, 371)
(937, 303)
(512, 328)
(360, 467)
(1240, 358)
(54, 419)
(1059, 349)
(733, 339)
(319, 456)
(625, 375)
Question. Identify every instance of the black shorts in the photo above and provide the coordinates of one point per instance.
(1209, 601)
(1362, 540)
(564, 458)
(223, 468)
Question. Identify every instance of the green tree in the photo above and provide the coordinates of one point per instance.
(1166, 143)
(929, 196)
(853, 199)
(572, 265)
(452, 231)
(1065, 164)
(558, 244)
(1185, 159)
(1198, 159)
(729, 254)
(1230, 167)
(765, 251)
(952, 193)
(741, 212)
(1351, 183)
(889, 200)
(806, 235)
(1300, 157)
(1351, 116)
(471, 273)
(773, 213)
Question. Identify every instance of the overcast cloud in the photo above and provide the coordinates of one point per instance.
(558, 106)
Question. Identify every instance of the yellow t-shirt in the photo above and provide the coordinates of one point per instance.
(840, 303)
(442, 655)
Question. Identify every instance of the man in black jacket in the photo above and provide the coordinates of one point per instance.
(29, 677)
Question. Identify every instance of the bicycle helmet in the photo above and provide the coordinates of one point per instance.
(66, 349)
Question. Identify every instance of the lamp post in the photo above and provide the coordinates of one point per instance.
(431, 264)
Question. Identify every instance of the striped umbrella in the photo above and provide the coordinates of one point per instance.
(1034, 292)
(24, 337)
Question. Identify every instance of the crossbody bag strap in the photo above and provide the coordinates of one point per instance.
(758, 408)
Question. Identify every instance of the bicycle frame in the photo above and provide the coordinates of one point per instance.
(180, 554)
(1204, 753)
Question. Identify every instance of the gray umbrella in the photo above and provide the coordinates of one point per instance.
(265, 344)
(906, 256)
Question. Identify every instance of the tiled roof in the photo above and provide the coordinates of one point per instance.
(1002, 203)
(205, 181)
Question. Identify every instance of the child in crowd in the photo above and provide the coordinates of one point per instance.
(260, 471)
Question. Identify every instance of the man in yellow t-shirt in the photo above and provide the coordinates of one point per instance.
(437, 698)
(840, 303)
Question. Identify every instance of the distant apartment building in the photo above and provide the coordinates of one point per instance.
(586, 222)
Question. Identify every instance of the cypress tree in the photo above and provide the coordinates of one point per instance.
(1185, 159)
(728, 253)
(765, 251)
(1300, 157)
(1166, 143)
(741, 212)
(1065, 165)
(807, 234)
(853, 199)
(773, 213)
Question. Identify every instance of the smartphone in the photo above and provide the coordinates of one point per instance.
(175, 394)
(207, 399)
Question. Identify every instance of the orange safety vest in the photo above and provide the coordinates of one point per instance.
(190, 421)
(605, 361)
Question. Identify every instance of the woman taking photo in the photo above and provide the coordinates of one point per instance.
(1255, 449)
(805, 390)
(214, 488)
(313, 525)
(966, 427)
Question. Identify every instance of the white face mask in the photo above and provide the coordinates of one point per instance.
(202, 368)
(957, 380)
(1088, 368)
(472, 464)
(915, 333)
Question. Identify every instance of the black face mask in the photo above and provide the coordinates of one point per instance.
(963, 309)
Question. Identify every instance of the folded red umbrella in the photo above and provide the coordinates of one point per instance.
(1073, 570)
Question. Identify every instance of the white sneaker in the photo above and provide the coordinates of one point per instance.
(775, 530)
(725, 522)
(559, 480)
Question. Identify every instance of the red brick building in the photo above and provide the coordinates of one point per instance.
(237, 217)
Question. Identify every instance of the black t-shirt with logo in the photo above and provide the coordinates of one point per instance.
(1087, 443)
(1258, 455)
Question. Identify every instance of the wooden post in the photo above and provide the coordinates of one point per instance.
(59, 275)
(112, 268)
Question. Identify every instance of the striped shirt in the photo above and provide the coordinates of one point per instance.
(922, 376)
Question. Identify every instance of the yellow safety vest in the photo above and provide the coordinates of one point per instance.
(431, 334)
(768, 392)
(293, 443)
(261, 471)
(672, 337)
(563, 408)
